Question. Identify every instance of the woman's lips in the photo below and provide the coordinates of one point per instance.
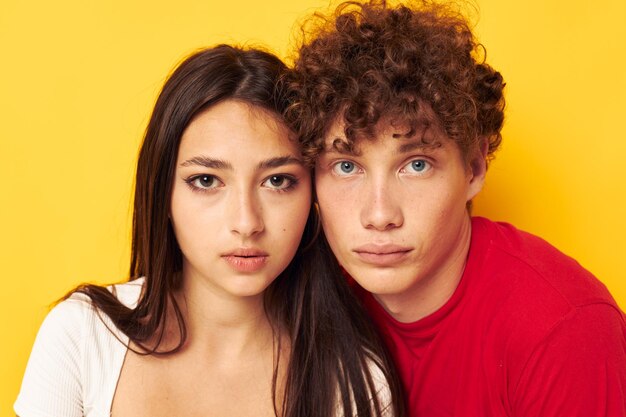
(382, 255)
(246, 260)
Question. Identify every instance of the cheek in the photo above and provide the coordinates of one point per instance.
(180, 222)
(300, 207)
(192, 220)
(338, 218)
(339, 203)
(336, 200)
(447, 212)
(287, 215)
(449, 192)
(330, 216)
(294, 219)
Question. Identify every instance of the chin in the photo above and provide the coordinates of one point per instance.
(244, 292)
(379, 282)
(249, 287)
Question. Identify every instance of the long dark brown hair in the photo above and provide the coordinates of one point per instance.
(333, 345)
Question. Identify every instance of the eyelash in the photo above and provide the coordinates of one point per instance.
(191, 180)
(293, 183)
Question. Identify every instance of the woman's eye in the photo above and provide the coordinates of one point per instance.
(279, 182)
(203, 182)
(344, 168)
(418, 165)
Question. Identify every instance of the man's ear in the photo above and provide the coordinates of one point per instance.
(478, 168)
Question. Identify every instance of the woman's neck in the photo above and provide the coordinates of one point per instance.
(220, 323)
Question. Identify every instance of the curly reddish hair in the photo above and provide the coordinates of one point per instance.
(371, 60)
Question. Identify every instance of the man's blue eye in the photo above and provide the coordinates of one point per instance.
(345, 167)
(418, 165)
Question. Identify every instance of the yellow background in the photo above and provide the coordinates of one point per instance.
(78, 79)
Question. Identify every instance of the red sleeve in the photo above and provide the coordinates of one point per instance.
(579, 369)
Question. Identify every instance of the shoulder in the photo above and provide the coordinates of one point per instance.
(65, 324)
(379, 389)
(541, 307)
(578, 368)
(536, 270)
(382, 391)
(76, 355)
(77, 318)
(52, 381)
(529, 279)
(589, 329)
(128, 293)
(586, 335)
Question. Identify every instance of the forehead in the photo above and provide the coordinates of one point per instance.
(239, 125)
(402, 136)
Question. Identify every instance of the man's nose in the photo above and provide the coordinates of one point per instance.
(380, 210)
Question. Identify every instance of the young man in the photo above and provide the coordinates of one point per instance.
(400, 115)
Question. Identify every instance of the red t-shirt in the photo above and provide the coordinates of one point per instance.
(527, 333)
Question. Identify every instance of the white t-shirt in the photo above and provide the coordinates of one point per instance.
(77, 358)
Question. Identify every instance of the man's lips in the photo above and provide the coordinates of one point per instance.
(382, 255)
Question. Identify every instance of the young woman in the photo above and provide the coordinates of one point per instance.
(233, 306)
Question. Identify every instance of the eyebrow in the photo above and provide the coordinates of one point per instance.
(208, 162)
(279, 162)
(411, 146)
(404, 148)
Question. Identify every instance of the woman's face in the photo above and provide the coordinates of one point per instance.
(240, 199)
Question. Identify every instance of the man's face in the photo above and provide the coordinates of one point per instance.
(394, 212)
